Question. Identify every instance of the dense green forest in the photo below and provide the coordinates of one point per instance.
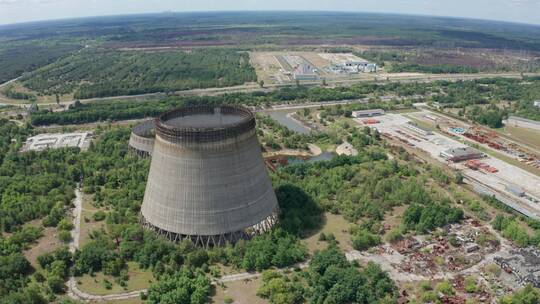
(99, 73)
(32, 184)
(116, 181)
(19, 58)
(438, 62)
(362, 188)
(127, 109)
(432, 68)
(330, 278)
(40, 186)
(283, 28)
(462, 94)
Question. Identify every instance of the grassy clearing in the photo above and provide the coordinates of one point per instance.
(47, 243)
(394, 217)
(527, 136)
(87, 222)
(242, 292)
(138, 279)
(336, 225)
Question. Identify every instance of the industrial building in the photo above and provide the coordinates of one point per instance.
(367, 113)
(305, 72)
(207, 181)
(360, 66)
(45, 141)
(141, 141)
(416, 128)
(461, 154)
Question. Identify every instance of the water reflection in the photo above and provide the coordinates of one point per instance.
(292, 160)
(282, 117)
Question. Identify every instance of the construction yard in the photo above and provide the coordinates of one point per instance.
(488, 175)
(527, 155)
(286, 67)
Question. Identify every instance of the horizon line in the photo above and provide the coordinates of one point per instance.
(22, 23)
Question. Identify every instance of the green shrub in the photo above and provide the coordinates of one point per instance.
(99, 216)
(64, 236)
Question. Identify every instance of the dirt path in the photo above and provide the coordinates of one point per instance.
(76, 231)
(73, 290)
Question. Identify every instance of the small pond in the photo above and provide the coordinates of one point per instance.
(281, 117)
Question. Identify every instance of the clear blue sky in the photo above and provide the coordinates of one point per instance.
(525, 11)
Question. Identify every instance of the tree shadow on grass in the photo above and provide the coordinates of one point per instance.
(300, 215)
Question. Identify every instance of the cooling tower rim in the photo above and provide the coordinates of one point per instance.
(204, 134)
(145, 129)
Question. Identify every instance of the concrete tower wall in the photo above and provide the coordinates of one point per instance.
(208, 183)
(141, 140)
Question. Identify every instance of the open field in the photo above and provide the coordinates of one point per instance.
(88, 224)
(529, 137)
(242, 292)
(47, 243)
(336, 225)
(138, 279)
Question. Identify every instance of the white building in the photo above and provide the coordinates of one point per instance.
(45, 141)
(537, 103)
(359, 66)
(416, 128)
(367, 113)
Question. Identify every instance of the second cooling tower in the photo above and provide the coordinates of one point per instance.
(207, 179)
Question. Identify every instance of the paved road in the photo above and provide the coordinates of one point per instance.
(271, 87)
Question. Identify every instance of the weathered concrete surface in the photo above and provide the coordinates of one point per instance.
(207, 188)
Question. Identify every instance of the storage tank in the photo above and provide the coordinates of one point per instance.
(207, 180)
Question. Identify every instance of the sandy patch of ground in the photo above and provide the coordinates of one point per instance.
(242, 292)
(47, 243)
(346, 149)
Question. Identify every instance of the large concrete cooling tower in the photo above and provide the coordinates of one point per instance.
(207, 179)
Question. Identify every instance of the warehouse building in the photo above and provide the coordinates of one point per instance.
(416, 128)
(305, 72)
(367, 113)
(461, 154)
(359, 66)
